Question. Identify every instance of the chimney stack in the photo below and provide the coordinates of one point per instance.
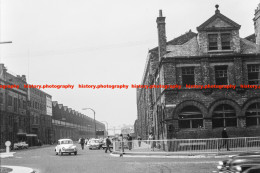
(161, 35)
(257, 24)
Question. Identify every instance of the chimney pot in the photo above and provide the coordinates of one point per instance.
(160, 13)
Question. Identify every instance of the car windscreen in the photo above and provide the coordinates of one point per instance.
(66, 142)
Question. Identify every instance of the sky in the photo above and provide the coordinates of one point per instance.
(94, 42)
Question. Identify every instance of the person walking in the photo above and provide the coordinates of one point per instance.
(151, 140)
(129, 139)
(82, 143)
(225, 139)
(108, 142)
(139, 140)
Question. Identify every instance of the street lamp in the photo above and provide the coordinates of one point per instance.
(107, 126)
(94, 119)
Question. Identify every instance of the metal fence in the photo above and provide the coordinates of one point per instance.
(190, 146)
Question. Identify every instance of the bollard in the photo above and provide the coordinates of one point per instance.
(7, 144)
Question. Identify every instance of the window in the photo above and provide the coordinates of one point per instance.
(224, 116)
(24, 104)
(253, 74)
(1, 98)
(221, 75)
(253, 114)
(10, 101)
(213, 41)
(225, 41)
(15, 104)
(188, 76)
(190, 117)
(219, 41)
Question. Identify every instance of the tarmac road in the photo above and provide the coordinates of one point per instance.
(44, 160)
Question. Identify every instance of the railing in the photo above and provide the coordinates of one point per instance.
(190, 146)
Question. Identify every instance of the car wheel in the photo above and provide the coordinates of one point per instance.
(75, 153)
(69, 153)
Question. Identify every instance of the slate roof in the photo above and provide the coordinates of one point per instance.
(251, 38)
(248, 47)
(179, 40)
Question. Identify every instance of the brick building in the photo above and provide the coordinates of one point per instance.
(68, 123)
(14, 117)
(216, 56)
(28, 114)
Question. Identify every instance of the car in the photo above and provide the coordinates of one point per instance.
(20, 145)
(239, 163)
(65, 146)
(94, 144)
(254, 169)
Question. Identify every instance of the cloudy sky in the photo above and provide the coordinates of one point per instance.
(99, 42)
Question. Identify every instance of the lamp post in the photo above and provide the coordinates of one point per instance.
(107, 126)
(94, 119)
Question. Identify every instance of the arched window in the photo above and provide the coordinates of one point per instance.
(253, 114)
(190, 117)
(224, 116)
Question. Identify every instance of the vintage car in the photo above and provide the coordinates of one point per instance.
(20, 145)
(254, 169)
(239, 163)
(65, 146)
(94, 144)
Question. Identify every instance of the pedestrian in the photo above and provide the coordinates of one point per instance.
(82, 143)
(152, 142)
(139, 140)
(129, 139)
(108, 142)
(225, 139)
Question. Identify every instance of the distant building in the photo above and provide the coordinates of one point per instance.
(214, 56)
(68, 123)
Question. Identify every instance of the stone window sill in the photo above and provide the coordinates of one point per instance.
(220, 51)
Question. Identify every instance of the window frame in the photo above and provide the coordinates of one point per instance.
(224, 118)
(219, 41)
(256, 70)
(191, 120)
(223, 42)
(211, 44)
(256, 116)
(224, 73)
(186, 76)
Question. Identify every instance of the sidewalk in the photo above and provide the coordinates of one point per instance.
(5, 155)
(16, 169)
(172, 154)
(32, 147)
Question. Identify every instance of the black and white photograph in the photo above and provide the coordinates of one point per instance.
(129, 86)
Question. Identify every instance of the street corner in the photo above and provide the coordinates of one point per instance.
(16, 169)
(5, 155)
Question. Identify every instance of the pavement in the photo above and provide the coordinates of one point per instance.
(18, 169)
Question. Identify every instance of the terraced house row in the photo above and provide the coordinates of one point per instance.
(30, 115)
(215, 55)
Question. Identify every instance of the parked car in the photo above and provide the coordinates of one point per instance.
(20, 145)
(65, 146)
(254, 169)
(239, 163)
(94, 144)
